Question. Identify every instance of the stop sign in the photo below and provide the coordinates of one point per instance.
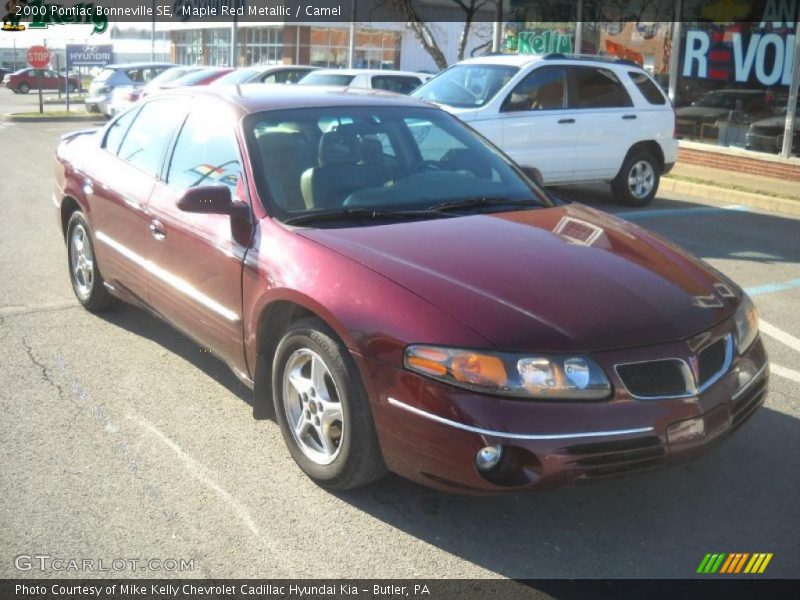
(38, 57)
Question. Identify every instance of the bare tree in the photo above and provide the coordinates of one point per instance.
(424, 33)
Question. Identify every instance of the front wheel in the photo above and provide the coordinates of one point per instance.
(637, 181)
(87, 283)
(323, 410)
(23, 88)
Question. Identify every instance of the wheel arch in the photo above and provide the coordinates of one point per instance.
(68, 206)
(273, 320)
(650, 146)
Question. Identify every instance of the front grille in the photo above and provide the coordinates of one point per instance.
(604, 459)
(653, 378)
(711, 360)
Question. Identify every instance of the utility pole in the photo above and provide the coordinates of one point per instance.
(234, 31)
(351, 45)
(497, 31)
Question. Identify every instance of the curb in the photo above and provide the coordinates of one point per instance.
(45, 119)
(712, 192)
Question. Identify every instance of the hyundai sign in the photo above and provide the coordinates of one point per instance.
(89, 55)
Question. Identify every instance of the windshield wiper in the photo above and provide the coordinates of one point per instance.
(483, 201)
(362, 213)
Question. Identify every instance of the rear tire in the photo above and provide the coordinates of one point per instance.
(323, 410)
(84, 273)
(638, 179)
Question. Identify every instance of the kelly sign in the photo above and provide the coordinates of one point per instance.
(89, 55)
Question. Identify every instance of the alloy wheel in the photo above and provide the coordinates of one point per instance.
(81, 261)
(312, 407)
(641, 179)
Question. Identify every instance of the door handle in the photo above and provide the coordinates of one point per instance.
(157, 230)
(564, 121)
(628, 117)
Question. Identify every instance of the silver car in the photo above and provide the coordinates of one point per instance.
(112, 76)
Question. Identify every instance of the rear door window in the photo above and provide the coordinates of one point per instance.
(598, 88)
(648, 88)
(117, 130)
(147, 139)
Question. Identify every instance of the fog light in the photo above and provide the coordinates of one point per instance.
(488, 457)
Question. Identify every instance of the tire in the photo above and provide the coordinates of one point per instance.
(84, 273)
(638, 179)
(71, 88)
(23, 88)
(336, 454)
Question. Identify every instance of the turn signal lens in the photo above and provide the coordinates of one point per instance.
(546, 377)
(479, 369)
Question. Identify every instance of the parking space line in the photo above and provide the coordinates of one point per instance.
(784, 372)
(634, 215)
(771, 288)
(780, 335)
(198, 471)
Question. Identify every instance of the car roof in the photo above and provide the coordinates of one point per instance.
(521, 60)
(135, 65)
(369, 72)
(257, 97)
(513, 60)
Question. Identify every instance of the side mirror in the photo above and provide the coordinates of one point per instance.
(212, 199)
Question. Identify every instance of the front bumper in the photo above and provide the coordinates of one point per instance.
(430, 432)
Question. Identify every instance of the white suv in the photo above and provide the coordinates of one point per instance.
(566, 119)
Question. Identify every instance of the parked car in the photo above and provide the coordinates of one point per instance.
(767, 134)
(122, 75)
(401, 295)
(204, 76)
(124, 97)
(274, 74)
(566, 119)
(400, 82)
(25, 80)
(743, 106)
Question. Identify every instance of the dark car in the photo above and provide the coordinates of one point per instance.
(400, 294)
(274, 74)
(743, 106)
(766, 135)
(25, 80)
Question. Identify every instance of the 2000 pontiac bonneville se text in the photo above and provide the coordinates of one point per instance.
(402, 294)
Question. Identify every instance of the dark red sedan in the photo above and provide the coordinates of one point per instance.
(401, 295)
(25, 80)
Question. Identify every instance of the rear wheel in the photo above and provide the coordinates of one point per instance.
(87, 283)
(23, 88)
(71, 88)
(322, 408)
(637, 181)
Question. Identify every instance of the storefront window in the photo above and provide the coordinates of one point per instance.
(263, 46)
(374, 49)
(188, 47)
(733, 83)
(218, 47)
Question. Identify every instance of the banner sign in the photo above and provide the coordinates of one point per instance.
(89, 55)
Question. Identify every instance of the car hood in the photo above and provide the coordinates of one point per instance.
(559, 279)
(776, 122)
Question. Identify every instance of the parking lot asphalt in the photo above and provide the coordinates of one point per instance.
(123, 439)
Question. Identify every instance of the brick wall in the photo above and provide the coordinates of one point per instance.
(740, 164)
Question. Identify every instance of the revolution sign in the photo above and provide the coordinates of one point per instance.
(89, 55)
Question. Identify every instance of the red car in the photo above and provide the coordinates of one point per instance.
(401, 294)
(25, 80)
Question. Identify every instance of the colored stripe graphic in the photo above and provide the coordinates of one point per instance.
(734, 563)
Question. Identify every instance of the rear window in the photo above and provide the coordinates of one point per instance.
(399, 84)
(649, 89)
(599, 88)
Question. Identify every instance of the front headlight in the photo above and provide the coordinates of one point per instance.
(746, 319)
(544, 377)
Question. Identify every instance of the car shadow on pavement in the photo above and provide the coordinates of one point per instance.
(737, 498)
(142, 323)
(707, 231)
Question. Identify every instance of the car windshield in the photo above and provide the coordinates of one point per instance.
(466, 85)
(416, 161)
(236, 77)
(327, 79)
